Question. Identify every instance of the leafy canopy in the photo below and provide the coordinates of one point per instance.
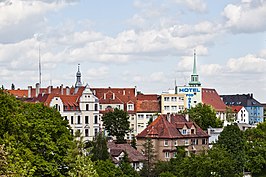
(116, 123)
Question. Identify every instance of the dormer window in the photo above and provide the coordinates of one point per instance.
(184, 132)
(192, 131)
(130, 107)
(165, 142)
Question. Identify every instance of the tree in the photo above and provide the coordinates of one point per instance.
(230, 115)
(3, 161)
(36, 138)
(116, 123)
(149, 153)
(80, 163)
(126, 168)
(204, 116)
(134, 142)
(99, 148)
(107, 169)
(232, 140)
(256, 149)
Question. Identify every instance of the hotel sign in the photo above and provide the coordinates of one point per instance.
(193, 95)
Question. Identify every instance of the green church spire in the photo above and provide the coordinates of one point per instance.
(194, 82)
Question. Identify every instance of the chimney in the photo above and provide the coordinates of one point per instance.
(67, 90)
(168, 117)
(187, 117)
(61, 89)
(124, 92)
(104, 96)
(29, 91)
(113, 96)
(37, 89)
(50, 88)
(251, 95)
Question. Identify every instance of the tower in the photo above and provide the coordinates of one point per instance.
(194, 82)
(78, 80)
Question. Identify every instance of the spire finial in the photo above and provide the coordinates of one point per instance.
(195, 64)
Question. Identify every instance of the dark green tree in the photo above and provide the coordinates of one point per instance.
(149, 153)
(256, 149)
(134, 142)
(99, 148)
(204, 116)
(126, 168)
(107, 169)
(116, 123)
(36, 138)
(232, 140)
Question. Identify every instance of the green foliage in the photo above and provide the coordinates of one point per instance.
(230, 115)
(149, 153)
(3, 161)
(99, 148)
(126, 168)
(204, 116)
(116, 123)
(36, 138)
(134, 142)
(256, 148)
(80, 164)
(107, 169)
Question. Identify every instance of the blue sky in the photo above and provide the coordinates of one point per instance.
(143, 43)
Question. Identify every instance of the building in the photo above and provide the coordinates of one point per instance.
(147, 110)
(121, 98)
(240, 114)
(117, 152)
(212, 98)
(78, 105)
(172, 103)
(172, 130)
(254, 108)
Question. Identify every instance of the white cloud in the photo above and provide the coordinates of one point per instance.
(249, 63)
(246, 17)
(97, 73)
(194, 5)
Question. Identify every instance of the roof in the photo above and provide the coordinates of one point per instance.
(147, 103)
(133, 154)
(240, 100)
(116, 95)
(168, 126)
(236, 108)
(211, 97)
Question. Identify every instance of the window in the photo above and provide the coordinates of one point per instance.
(175, 143)
(118, 107)
(87, 107)
(174, 108)
(166, 108)
(194, 141)
(165, 142)
(181, 107)
(86, 132)
(140, 116)
(174, 154)
(166, 98)
(95, 131)
(130, 107)
(173, 99)
(95, 119)
(65, 117)
(167, 155)
(184, 132)
(96, 107)
(192, 131)
(78, 121)
(181, 98)
(72, 120)
(186, 142)
(86, 119)
(101, 107)
(204, 141)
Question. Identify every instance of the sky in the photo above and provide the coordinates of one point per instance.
(126, 43)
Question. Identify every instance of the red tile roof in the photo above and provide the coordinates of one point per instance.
(147, 103)
(168, 126)
(236, 108)
(116, 96)
(211, 97)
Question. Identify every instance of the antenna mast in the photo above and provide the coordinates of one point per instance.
(40, 71)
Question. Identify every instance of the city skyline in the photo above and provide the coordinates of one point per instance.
(148, 44)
